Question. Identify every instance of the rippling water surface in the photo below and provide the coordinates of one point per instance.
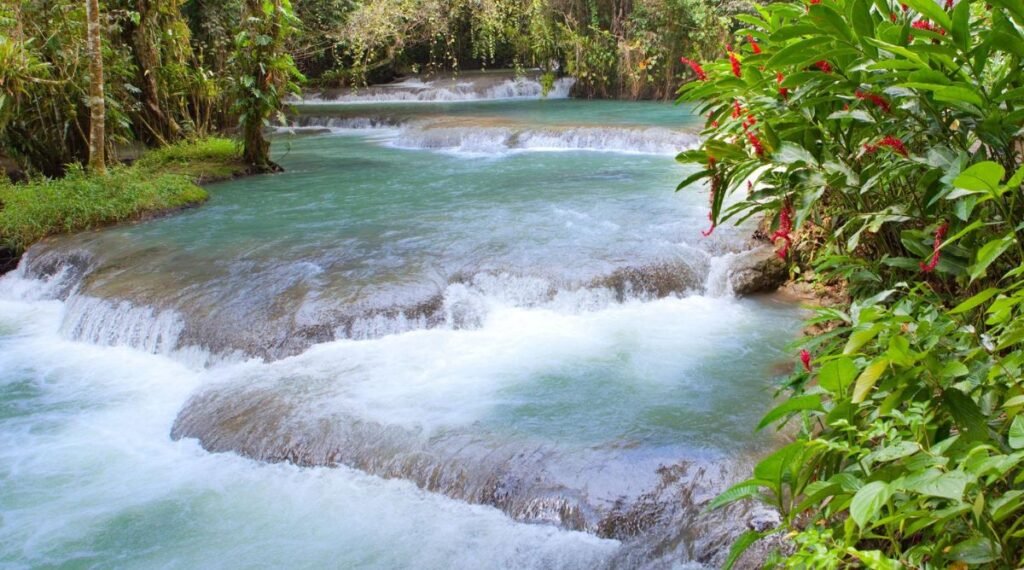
(472, 335)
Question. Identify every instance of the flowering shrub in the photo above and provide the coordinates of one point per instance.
(884, 141)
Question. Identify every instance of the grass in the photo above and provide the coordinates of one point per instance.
(162, 180)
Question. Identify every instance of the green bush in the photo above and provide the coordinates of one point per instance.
(884, 142)
(160, 181)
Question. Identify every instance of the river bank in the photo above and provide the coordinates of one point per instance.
(160, 182)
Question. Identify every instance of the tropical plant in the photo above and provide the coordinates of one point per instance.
(883, 142)
(264, 75)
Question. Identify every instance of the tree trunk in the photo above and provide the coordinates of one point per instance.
(162, 126)
(97, 105)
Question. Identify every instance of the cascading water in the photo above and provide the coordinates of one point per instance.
(416, 359)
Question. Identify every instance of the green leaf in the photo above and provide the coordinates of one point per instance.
(867, 379)
(976, 550)
(949, 485)
(868, 502)
(981, 177)
(861, 337)
(975, 300)
(741, 545)
(966, 413)
(737, 492)
(932, 10)
(894, 452)
(988, 253)
(797, 404)
(1014, 401)
(798, 52)
(837, 375)
(1016, 437)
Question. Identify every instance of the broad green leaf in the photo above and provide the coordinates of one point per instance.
(861, 337)
(988, 253)
(868, 502)
(894, 452)
(1014, 401)
(976, 550)
(949, 485)
(975, 300)
(1016, 437)
(932, 10)
(798, 52)
(837, 375)
(737, 492)
(981, 177)
(741, 545)
(867, 379)
(966, 413)
(792, 405)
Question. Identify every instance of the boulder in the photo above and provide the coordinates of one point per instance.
(758, 270)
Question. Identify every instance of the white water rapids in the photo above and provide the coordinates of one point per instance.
(401, 353)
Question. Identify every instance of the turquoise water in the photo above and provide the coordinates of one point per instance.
(493, 346)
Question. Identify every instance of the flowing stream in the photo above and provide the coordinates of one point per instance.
(452, 335)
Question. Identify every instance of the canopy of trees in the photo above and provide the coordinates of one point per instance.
(181, 69)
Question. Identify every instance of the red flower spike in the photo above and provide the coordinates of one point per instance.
(949, 4)
(753, 44)
(870, 148)
(783, 91)
(893, 17)
(785, 227)
(895, 144)
(735, 62)
(904, 7)
(824, 66)
(755, 143)
(878, 100)
(928, 27)
(940, 234)
(805, 359)
(697, 69)
(737, 111)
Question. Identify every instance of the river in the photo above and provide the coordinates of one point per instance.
(472, 333)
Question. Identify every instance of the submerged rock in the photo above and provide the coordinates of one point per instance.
(758, 270)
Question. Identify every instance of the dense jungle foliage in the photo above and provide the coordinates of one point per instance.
(184, 69)
(884, 139)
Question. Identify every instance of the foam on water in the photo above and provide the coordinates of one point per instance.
(415, 90)
(88, 476)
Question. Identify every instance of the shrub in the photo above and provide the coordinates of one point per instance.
(884, 142)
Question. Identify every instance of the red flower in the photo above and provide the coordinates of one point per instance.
(785, 227)
(753, 44)
(870, 148)
(895, 144)
(940, 234)
(737, 111)
(805, 358)
(878, 100)
(949, 4)
(783, 91)
(711, 119)
(735, 62)
(750, 121)
(893, 17)
(756, 143)
(824, 66)
(697, 69)
(904, 7)
(928, 27)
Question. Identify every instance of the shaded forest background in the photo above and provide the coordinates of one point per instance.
(184, 69)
